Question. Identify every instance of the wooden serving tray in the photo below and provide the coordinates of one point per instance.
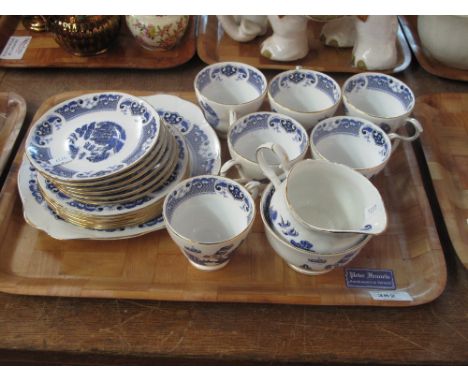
(151, 266)
(43, 51)
(445, 145)
(409, 25)
(12, 113)
(214, 45)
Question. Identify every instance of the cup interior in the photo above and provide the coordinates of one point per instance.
(352, 142)
(305, 91)
(333, 197)
(327, 240)
(230, 83)
(379, 95)
(209, 210)
(255, 129)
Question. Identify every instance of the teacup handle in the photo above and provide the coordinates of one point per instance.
(417, 131)
(253, 187)
(232, 117)
(266, 168)
(228, 165)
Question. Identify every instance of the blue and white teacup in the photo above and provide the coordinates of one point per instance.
(208, 217)
(354, 142)
(381, 99)
(254, 129)
(305, 95)
(227, 91)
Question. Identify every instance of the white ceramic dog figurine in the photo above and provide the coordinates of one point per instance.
(244, 28)
(373, 38)
(289, 41)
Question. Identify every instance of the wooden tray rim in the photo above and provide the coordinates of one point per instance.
(188, 44)
(278, 65)
(440, 187)
(430, 65)
(16, 125)
(77, 288)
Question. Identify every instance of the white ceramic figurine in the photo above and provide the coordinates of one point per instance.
(373, 38)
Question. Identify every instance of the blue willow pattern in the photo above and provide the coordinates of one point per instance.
(263, 121)
(384, 84)
(210, 114)
(37, 195)
(202, 158)
(208, 185)
(85, 104)
(287, 228)
(96, 141)
(239, 72)
(306, 79)
(96, 138)
(127, 205)
(353, 127)
(219, 257)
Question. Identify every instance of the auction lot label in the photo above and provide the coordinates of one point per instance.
(370, 278)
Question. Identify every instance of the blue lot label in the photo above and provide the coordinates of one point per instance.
(370, 278)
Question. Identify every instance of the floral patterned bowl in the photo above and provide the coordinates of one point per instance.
(157, 32)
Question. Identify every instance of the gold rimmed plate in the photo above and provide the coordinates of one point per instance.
(141, 165)
(93, 136)
(119, 214)
(154, 171)
(128, 196)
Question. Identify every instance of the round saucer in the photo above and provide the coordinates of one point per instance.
(148, 206)
(93, 136)
(147, 177)
(205, 158)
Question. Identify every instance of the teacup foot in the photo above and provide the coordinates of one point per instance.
(209, 268)
(307, 272)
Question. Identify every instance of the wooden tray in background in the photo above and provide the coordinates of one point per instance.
(410, 28)
(43, 51)
(445, 145)
(12, 113)
(151, 266)
(213, 45)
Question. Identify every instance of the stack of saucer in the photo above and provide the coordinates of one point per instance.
(106, 160)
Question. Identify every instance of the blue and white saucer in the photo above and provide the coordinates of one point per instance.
(107, 211)
(205, 158)
(93, 136)
(201, 139)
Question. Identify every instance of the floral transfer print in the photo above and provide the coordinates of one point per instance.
(164, 36)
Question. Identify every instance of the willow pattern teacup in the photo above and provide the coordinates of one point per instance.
(354, 142)
(227, 91)
(323, 206)
(208, 217)
(381, 99)
(305, 95)
(252, 130)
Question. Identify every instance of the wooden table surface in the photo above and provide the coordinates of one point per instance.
(97, 331)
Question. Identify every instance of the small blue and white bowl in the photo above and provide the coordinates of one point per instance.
(227, 91)
(254, 129)
(354, 142)
(381, 99)
(305, 95)
(306, 261)
(208, 217)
